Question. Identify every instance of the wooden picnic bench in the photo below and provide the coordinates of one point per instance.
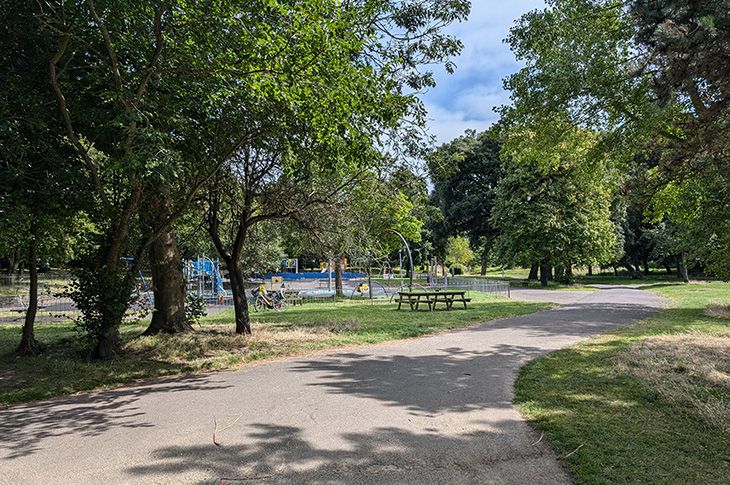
(432, 298)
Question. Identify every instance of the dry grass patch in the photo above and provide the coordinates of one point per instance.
(215, 342)
(716, 309)
(689, 370)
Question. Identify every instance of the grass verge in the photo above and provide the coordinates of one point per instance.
(645, 404)
(301, 330)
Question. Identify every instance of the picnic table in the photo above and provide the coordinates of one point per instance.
(431, 298)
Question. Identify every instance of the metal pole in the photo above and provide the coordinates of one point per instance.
(400, 265)
(410, 258)
(370, 282)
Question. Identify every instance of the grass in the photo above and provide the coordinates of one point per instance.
(62, 369)
(645, 404)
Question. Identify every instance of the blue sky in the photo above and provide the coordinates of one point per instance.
(465, 99)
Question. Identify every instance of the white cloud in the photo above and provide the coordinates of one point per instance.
(478, 101)
(466, 98)
(448, 124)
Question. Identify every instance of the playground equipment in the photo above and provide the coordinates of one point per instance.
(290, 265)
(433, 274)
(324, 267)
(410, 258)
(204, 277)
(143, 283)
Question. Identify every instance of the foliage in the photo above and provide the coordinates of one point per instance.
(194, 307)
(684, 46)
(645, 76)
(556, 214)
(99, 297)
(154, 98)
(465, 173)
(699, 220)
(458, 252)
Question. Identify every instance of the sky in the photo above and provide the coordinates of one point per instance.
(465, 100)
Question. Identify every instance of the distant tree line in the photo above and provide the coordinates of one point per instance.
(614, 149)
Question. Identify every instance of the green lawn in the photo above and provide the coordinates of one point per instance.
(645, 404)
(301, 330)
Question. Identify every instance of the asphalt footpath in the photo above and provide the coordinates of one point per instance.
(429, 410)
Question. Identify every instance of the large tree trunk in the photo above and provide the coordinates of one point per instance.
(167, 270)
(533, 272)
(485, 258)
(544, 274)
(682, 268)
(240, 303)
(169, 283)
(28, 344)
(338, 277)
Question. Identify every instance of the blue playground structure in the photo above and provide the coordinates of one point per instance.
(204, 277)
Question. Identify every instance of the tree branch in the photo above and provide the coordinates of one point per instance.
(69, 125)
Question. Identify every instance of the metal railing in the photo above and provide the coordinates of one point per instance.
(492, 287)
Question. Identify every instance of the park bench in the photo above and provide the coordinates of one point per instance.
(431, 298)
(413, 299)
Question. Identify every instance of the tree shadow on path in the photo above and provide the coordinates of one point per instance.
(24, 428)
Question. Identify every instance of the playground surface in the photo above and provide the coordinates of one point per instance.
(436, 409)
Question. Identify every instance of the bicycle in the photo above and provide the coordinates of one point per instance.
(276, 301)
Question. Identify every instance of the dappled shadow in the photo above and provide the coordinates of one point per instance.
(453, 380)
(274, 454)
(24, 428)
(475, 368)
(430, 410)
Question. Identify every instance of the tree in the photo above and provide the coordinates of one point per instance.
(107, 71)
(38, 180)
(557, 214)
(646, 75)
(252, 190)
(458, 252)
(343, 106)
(465, 173)
(155, 98)
(684, 47)
(354, 223)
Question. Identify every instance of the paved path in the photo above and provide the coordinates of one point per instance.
(430, 410)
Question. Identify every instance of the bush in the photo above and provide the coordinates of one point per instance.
(457, 269)
(565, 279)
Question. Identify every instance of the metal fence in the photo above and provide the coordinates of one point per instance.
(54, 308)
(493, 287)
